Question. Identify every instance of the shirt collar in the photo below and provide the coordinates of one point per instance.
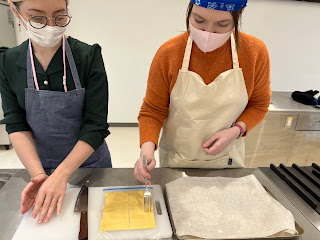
(56, 64)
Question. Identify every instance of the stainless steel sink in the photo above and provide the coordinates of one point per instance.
(2, 183)
(4, 178)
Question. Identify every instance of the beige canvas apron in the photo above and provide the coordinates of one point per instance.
(197, 111)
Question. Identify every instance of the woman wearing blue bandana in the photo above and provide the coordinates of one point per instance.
(207, 88)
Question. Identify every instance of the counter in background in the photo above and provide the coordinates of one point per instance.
(289, 134)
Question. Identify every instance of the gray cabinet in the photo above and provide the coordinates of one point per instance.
(306, 141)
(270, 142)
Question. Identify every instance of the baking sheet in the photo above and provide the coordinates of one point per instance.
(279, 235)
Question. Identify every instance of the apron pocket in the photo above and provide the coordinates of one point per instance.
(221, 162)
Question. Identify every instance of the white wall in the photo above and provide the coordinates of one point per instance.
(130, 32)
(290, 30)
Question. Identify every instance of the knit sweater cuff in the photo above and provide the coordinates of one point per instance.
(251, 117)
(149, 130)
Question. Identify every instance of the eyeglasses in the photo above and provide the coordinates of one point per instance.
(39, 22)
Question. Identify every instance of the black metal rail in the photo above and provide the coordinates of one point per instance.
(297, 180)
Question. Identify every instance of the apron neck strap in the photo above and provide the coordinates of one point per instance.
(187, 53)
(73, 67)
(31, 70)
(235, 58)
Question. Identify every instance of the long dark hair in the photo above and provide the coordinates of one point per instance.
(236, 18)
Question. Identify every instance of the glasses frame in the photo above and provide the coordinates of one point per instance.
(55, 19)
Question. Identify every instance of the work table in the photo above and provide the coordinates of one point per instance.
(283, 102)
(10, 216)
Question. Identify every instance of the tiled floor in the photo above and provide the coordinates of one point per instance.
(123, 144)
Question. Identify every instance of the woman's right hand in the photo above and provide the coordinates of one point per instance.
(140, 173)
(30, 192)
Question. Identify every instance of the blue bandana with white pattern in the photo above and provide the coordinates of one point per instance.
(222, 5)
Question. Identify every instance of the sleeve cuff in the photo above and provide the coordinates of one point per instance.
(251, 119)
(149, 129)
(17, 127)
(94, 138)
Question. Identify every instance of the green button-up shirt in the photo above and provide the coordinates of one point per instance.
(90, 66)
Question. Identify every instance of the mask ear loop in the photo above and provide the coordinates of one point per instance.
(64, 78)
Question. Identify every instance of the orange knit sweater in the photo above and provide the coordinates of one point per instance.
(254, 61)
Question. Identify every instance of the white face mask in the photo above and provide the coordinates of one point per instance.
(46, 37)
(207, 41)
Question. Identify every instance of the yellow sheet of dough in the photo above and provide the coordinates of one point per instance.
(125, 211)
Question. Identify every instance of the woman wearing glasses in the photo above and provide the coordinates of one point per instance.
(55, 100)
(207, 87)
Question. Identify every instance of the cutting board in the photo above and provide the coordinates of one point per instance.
(96, 203)
(65, 226)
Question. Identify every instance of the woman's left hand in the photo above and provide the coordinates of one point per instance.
(50, 196)
(30, 192)
(220, 140)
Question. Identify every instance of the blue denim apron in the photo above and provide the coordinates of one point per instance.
(55, 119)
